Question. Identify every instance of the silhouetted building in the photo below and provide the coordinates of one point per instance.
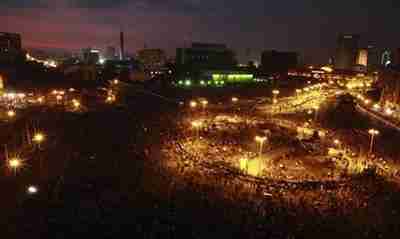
(347, 51)
(111, 53)
(90, 56)
(373, 58)
(205, 56)
(278, 62)
(10, 48)
(152, 59)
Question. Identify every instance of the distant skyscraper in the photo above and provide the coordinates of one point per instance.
(347, 51)
(122, 47)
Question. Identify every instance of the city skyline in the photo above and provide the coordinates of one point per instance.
(305, 26)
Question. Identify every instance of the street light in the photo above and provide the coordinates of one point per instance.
(197, 125)
(337, 143)
(235, 99)
(11, 113)
(32, 190)
(76, 103)
(316, 108)
(275, 93)
(193, 104)
(204, 103)
(260, 140)
(38, 138)
(14, 164)
(373, 133)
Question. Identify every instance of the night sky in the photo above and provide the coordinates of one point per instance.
(307, 26)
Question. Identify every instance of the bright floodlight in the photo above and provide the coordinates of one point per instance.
(11, 113)
(204, 102)
(196, 124)
(193, 104)
(76, 103)
(260, 139)
(235, 99)
(32, 190)
(38, 137)
(14, 163)
(373, 132)
(275, 92)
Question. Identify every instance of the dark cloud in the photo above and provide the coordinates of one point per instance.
(23, 3)
(309, 26)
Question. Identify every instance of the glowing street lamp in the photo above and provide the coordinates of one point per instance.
(76, 104)
(337, 143)
(14, 164)
(373, 133)
(193, 104)
(260, 140)
(40, 99)
(197, 125)
(204, 103)
(38, 138)
(115, 81)
(11, 114)
(31, 190)
(275, 93)
(234, 99)
(316, 108)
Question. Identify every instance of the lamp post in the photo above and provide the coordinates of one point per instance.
(275, 94)
(260, 140)
(14, 164)
(197, 125)
(373, 133)
(204, 104)
(316, 108)
(38, 138)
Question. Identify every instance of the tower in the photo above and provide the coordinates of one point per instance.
(122, 48)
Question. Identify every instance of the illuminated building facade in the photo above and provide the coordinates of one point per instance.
(346, 51)
(196, 62)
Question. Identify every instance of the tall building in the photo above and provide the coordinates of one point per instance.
(373, 58)
(346, 51)
(111, 53)
(152, 59)
(278, 62)
(10, 41)
(10, 47)
(122, 46)
(205, 56)
(91, 56)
